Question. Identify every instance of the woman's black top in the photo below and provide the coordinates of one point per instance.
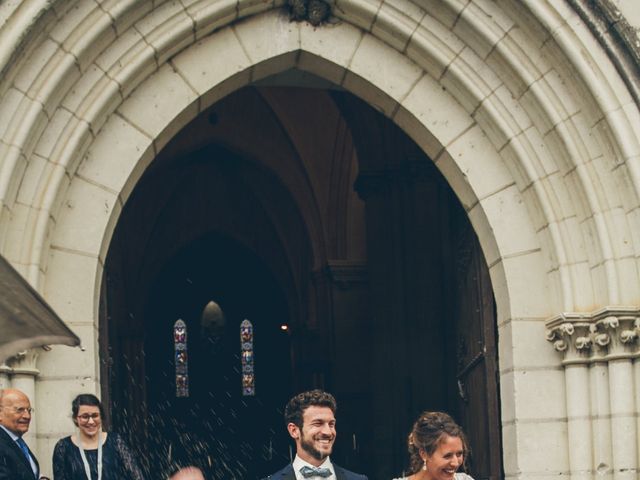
(118, 461)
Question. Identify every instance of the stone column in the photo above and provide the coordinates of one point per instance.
(23, 377)
(351, 316)
(317, 334)
(601, 408)
(573, 339)
(601, 405)
(623, 340)
(387, 310)
(636, 373)
(5, 370)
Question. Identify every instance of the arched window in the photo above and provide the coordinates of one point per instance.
(180, 357)
(246, 346)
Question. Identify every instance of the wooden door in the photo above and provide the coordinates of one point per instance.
(474, 337)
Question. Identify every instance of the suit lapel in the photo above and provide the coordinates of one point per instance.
(25, 459)
(286, 474)
(340, 475)
(35, 460)
(4, 436)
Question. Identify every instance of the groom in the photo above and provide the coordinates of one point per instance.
(311, 422)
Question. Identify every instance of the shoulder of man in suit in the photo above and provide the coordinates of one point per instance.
(349, 472)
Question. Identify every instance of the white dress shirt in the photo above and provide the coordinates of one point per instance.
(298, 463)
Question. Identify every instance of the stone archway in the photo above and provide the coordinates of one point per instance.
(538, 143)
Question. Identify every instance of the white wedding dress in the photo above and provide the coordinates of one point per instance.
(458, 476)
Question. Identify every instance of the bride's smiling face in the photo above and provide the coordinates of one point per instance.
(445, 461)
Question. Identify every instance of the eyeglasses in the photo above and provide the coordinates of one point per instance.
(85, 417)
(22, 410)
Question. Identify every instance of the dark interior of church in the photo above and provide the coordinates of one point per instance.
(309, 213)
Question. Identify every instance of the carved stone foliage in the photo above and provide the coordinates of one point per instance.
(24, 363)
(606, 334)
(316, 12)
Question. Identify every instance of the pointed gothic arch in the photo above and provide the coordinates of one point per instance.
(539, 145)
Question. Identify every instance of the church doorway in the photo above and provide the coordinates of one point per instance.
(217, 422)
(211, 270)
(302, 207)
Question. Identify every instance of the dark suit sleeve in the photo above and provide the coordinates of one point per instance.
(8, 467)
(5, 469)
(285, 474)
(7, 464)
(343, 473)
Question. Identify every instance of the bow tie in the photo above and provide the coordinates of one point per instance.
(308, 472)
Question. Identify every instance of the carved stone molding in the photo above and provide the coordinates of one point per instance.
(24, 363)
(609, 333)
(316, 12)
(617, 37)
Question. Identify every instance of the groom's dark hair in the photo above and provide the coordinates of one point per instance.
(313, 398)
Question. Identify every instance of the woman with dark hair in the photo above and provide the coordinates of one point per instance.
(92, 454)
(437, 448)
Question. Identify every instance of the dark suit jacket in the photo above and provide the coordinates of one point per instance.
(341, 474)
(13, 464)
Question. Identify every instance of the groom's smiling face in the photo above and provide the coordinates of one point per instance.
(317, 435)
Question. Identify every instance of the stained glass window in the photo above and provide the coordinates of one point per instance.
(181, 360)
(246, 344)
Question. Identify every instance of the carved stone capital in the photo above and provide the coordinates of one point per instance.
(572, 338)
(24, 363)
(602, 335)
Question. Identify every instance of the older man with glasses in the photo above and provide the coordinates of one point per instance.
(17, 462)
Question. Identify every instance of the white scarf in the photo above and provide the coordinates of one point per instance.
(87, 470)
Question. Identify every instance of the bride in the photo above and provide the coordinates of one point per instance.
(437, 448)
